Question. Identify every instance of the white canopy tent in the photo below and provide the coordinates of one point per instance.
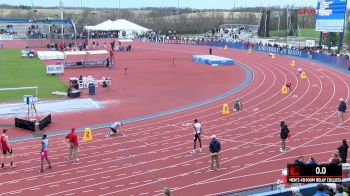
(118, 25)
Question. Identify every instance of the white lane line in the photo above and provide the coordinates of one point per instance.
(133, 183)
(87, 191)
(87, 180)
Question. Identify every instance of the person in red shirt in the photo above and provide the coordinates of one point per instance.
(73, 145)
(111, 54)
(6, 148)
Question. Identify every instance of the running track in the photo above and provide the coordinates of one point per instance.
(154, 154)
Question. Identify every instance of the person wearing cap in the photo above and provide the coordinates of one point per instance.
(214, 148)
(341, 111)
(73, 145)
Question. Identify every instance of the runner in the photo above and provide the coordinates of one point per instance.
(6, 149)
(197, 135)
(44, 152)
(289, 85)
(115, 127)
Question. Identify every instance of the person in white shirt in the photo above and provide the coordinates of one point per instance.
(115, 127)
(197, 135)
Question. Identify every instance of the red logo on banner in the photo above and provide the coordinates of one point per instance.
(294, 170)
(304, 11)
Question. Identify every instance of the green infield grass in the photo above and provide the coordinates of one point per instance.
(16, 72)
(311, 33)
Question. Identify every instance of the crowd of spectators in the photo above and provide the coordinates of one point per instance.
(8, 30)
(330, 189)
(35, 33)
(103, 34)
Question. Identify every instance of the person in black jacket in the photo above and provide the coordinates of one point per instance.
(341, 111)
(343, 151)
(284, 135)
(214, 148)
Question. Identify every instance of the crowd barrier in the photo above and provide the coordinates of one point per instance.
(332, 60)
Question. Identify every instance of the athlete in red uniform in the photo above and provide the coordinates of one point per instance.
(6, 148)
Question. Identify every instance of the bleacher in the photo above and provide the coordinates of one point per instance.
(231, 32)
(37, 29)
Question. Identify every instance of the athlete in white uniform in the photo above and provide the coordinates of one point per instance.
(115, 127)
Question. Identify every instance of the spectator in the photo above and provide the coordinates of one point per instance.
(312, 161)
(214, 148)
(341, 111)
(284, 135)
(343, 151)
(339, 190)
(299, 161)
(334, 160)
(295, 191)
(320, 190)
(73, 145)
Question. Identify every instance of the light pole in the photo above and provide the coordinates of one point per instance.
(279, 22)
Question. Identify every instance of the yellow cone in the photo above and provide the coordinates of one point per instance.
(87, 135)
(225, 48)
(225, 109)
(273, 56)
(292, 64)
(303, 75)
(284, 90)
(249, 51)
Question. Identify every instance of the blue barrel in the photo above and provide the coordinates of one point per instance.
(91, 87)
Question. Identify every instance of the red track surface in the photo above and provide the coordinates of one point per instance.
(152, 85)
(155, 153)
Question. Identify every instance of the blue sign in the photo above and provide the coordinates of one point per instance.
(330, 15)
(54, 69)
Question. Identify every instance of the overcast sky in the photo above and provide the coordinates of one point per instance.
(199, 4)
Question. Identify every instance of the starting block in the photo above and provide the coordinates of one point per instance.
(292, 63)
(225, 109)
(284, 90)
(303, 75)
(225, 48)
(87, 135)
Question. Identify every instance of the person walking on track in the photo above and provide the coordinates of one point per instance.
(343, 151)
(284, 135)
(341, 112)
(214, 148)
(6, 149)
(44, 152)
(197, 135)
(73, 145)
